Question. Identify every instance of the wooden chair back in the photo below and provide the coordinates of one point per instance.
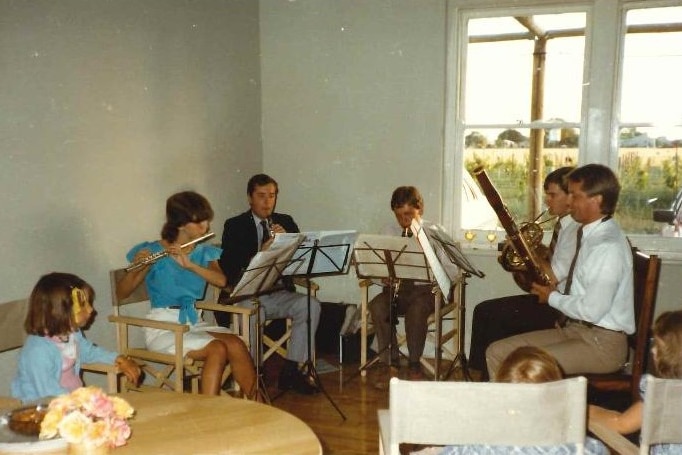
(647, 269)
(468, 413)
(12, 315)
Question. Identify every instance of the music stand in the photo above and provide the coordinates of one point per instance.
(323, 253)
(448, 250)
(391, 258)
(258, 279)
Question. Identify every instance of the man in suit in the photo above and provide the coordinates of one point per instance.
(243, 236)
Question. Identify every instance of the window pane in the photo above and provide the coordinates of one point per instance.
(501, 113)
(506, 161)
(651, 120)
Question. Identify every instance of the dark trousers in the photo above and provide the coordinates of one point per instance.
(501, 318)
(416, 303)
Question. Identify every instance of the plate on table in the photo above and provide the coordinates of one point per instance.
(12, 442)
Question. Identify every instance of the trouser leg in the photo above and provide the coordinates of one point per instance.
(417, 305)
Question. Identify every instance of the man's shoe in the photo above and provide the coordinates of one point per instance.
(414, 372)
(296, 381)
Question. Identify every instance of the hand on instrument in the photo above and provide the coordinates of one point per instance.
(277, 229)
(176, 252)
(274, 229)
(140, 256)
(542, 291)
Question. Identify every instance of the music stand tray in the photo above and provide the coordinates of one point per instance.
(450, 254)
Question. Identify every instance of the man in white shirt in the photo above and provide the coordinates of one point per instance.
(598, 295)
(503, 317)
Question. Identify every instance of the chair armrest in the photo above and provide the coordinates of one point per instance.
(225, 308)
(101, 367)
(612, 439)
(143, 322)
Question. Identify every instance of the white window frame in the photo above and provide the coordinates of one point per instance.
(599, 119)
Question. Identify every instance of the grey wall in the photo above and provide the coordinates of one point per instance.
(107, 108)
(353, 101)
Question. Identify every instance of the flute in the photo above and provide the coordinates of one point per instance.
(152, 258)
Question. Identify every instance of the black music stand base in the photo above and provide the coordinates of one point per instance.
(308, 367)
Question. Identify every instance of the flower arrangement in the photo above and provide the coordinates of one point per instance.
(88, 416)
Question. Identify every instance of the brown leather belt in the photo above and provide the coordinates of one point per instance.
(586, 324)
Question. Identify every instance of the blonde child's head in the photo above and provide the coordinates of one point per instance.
(667, 348)
(58, 304)
(529, 364)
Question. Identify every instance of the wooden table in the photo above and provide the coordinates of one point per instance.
(179, 423)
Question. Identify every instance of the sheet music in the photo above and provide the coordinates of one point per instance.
(406, 255)
(444, 281)
(332, 255)
(444, 242)
(267, 266)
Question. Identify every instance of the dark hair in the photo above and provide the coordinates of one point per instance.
(407, 195)
(260, 180)
(598, 179)
(668, 341)
(558, 177)
(50, 306)
(183, 208)
(529, 364)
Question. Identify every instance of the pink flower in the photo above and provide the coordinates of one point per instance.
(88, 415)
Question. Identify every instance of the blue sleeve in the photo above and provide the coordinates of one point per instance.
(88, 352)
(38, 372)
(210, 253)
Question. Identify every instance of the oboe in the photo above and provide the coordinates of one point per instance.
(270, 224)
(152, 258)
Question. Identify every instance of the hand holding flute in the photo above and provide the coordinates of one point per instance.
(143, 258)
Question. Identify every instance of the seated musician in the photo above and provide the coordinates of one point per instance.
(175, 282)
(506, 316)
(414, 299)
(597, 298)
(243, 236)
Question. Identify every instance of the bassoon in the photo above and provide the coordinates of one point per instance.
(535, 268)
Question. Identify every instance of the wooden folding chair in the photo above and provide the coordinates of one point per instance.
(442, 337)
(164, 370)
(647, 269)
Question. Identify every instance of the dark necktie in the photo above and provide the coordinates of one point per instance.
(266, 231)
(555, 237)
(407, 232)
(569, 279)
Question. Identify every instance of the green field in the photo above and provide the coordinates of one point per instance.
(648, 176)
